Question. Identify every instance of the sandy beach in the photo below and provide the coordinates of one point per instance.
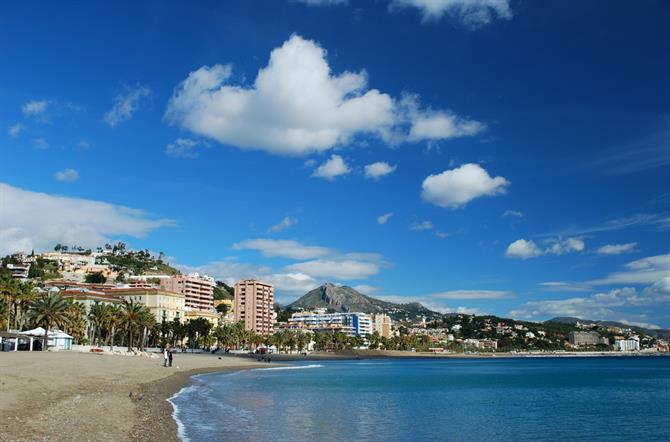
(64, 396)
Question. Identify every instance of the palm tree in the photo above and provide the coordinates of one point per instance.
(146, 322)
(98, 317)
(9, 289)
(76, 313)
(132, 319)
(113, 318)
(49, 311)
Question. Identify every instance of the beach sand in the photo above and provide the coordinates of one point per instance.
(66, 396)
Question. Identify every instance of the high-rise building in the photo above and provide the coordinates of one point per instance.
(198, 290)
(381, 323)
(253, 305)
(582, 338)
(351, 324)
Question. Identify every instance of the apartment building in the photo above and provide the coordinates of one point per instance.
(254, 305)
(351, 324)
(381, 324)
(165, 305)
(198, 290)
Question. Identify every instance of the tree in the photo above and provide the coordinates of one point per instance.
(97, 317)
(112, 318)
(132, 319)
(95, 278)
(76, 326)
(222, 308)
(49, 311)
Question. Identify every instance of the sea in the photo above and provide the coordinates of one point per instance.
(501, 399)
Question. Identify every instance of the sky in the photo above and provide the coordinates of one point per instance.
(480, 156)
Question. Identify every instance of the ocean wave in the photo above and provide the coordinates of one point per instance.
(181, 429)
(293, 367)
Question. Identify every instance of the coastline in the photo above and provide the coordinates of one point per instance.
(69, 396)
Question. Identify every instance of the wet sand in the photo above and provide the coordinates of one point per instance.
(65, 396)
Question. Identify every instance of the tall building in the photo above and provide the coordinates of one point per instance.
(381, 324)
(579, 338)
(197, 290)
(253, 305)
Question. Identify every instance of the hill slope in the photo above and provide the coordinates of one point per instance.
(347, 299)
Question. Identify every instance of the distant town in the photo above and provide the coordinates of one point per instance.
(113, 296)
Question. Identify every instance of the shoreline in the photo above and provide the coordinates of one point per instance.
(397, 354)
(80, 396)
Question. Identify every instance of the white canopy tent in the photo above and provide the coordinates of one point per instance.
(57, 338)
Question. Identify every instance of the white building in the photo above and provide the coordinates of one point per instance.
(349, 323)
(628, 344)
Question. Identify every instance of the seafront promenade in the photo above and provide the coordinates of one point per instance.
(77, 396)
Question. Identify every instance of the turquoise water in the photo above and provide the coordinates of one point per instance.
(516, 399)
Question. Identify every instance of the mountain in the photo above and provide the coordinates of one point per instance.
(346, 299)
(572, 321)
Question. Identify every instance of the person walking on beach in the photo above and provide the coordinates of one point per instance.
(165, 357)
(170, 357)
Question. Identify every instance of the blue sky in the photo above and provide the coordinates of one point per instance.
(498, 156)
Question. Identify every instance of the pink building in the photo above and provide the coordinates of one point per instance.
(253, 305)
(197, 290)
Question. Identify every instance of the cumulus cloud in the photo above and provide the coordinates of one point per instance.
(67, 175)
(366, 289)
(286, 223)
(15, 130)
(34, 107)
(34, 220)
(525, 249)
(182, 148)
(423, 225)
(125, 105)
(617, 249)
(642, 271)
(431, 125)
(600, 306)
(472, 13)
(332, 168)
(296, 106)
(383, 219)
(378, 170)
(456, 187)
(283, 248)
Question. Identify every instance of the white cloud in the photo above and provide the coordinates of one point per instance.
(332, 168)
(125, 105)
(67, 175)
(442, 235)
(525, 249)
(456, 187)
(383, 219)
(473, 294)
(378, 170)
(345, 269)
(599, 306)
(182, 148)
(15, 130)
(513, 214)
(283, 248)
(34, 107)
(434, 125)
(423, 225)
(34, 220)
(286, 223)
(296, 106)
(472, 13)
(41, 143)
(642, 271)
(366, 289)
(617, 249)
(559, 246)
